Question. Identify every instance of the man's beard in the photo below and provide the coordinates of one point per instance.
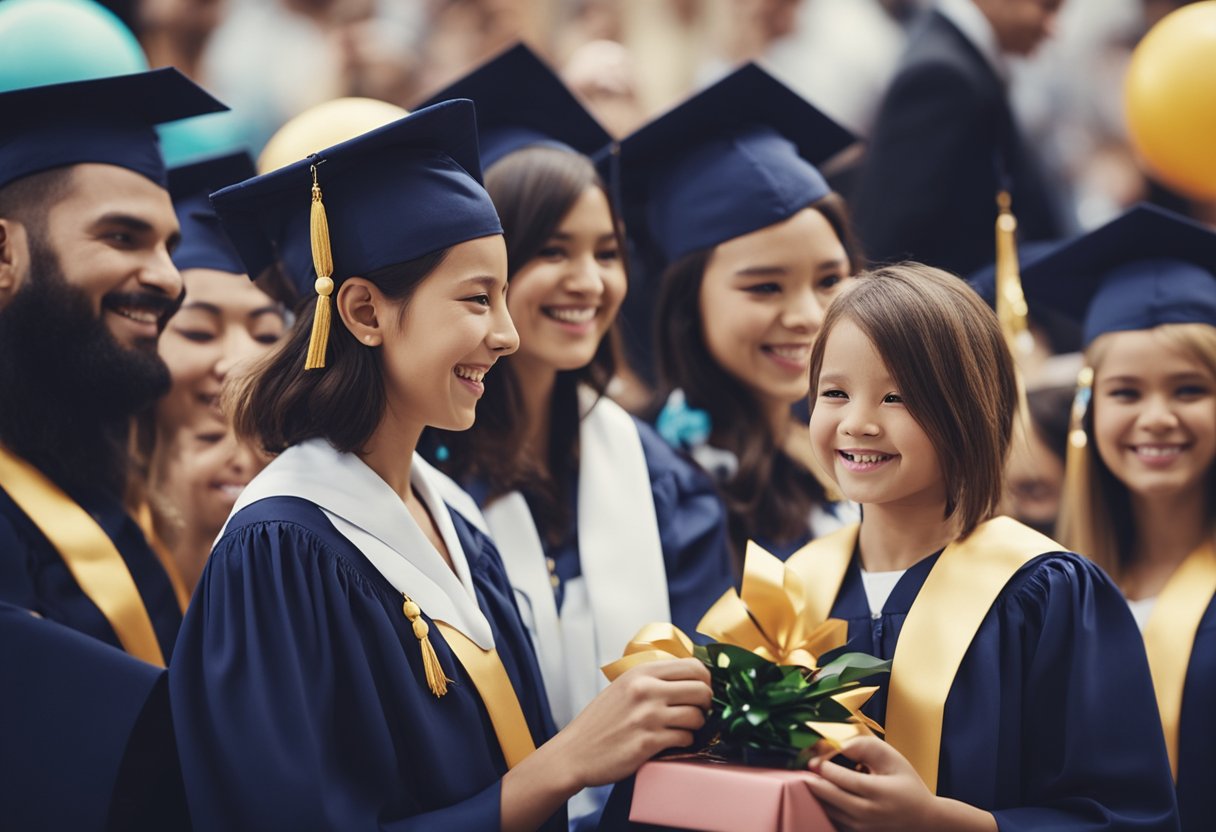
(68, 388)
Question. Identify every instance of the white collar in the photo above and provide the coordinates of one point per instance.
(978, 31)
(368, 513)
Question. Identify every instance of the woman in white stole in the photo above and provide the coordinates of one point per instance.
(602, 528)
(354, 658)
(1140, 485)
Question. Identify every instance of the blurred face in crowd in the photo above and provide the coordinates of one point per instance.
(763, 299)
(1034, 478)
(225, 321)
(565, 299)
(1154, 415)
(1021, 25)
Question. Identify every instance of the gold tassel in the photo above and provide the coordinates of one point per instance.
(1011, 307)
(436, 679)
(323, 262)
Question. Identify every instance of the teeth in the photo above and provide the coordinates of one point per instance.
(866, 458)
(1158, 450)
(143, 316)
(571, 315)
(470, 374)
(792, 353)
(232, 491)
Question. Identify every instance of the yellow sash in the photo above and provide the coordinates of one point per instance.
(146, 523)
(90, 555)
(490, 678)
(943, 621)
(1170, 635)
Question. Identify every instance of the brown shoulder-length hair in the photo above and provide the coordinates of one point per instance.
(944, 348)
(278, 403)
(771, 494)
(533, 190)
(1096, 508)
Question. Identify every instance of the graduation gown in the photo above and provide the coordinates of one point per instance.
(300, 697)
(1050, 722)
(86, 736)
(33, 575)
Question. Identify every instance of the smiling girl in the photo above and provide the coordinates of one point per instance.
(747, 246)
(354, 658)
(1019, 695)
(1140, 495)
(602, 528)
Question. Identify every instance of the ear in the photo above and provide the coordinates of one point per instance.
(362, 308)
(14, 258)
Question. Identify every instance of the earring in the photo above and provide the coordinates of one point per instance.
(367, 338)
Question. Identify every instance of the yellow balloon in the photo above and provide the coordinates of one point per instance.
(1170, 95)
(324, 126)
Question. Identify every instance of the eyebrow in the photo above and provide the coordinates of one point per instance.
(485, 281)
(565, 235)
(138, 225)
(212, 309)
(761, 271)
(1184, 376)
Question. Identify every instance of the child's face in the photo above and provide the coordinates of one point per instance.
(1154, 415)
(566, 298)
(454, 328)
(862, 431)
(763, 298)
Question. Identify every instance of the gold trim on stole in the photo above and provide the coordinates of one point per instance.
(1169, 636)
(147, 524)
(943, 621)
(90, 555)
(497, 693)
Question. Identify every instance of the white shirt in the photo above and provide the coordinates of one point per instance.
(878, 587)
(1142, 610)
(978, 31)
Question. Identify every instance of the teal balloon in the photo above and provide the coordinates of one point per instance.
(191, 139)
(56, 41)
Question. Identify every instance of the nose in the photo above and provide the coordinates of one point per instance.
(857, 420)
(161, 275)
(243, 458)
(585, 276)
(238, 347)
(1158, 416)
(503, 338)
(803, 312)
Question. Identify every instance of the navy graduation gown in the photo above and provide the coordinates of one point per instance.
(1197, 730)
(1050, 722)
(86, 736)
(300, 698)
(34, 576)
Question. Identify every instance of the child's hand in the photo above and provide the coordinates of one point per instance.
(891, 796)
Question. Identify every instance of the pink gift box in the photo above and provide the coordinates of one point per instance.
(717, 797)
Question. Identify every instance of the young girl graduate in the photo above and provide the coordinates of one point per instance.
(745, 245)
(1140, 493)
(1019, 695)
(601, 526)
(353, 658)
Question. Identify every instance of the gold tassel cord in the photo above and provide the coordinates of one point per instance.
(322, 259)
(436, 679)
(1011, 306)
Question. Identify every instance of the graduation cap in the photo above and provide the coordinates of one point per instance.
(204, 244)
(103, 120)
(738, 157)
(1145, 268)
(521, 103)
(391, 195)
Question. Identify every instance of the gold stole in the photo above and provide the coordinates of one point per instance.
(90, 555)
(147, 524)
(943, 621)
(494, 687)
(1170, 635)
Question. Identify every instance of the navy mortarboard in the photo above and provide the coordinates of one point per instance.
(204, 244)
(104, 120)
(1146, 268)
(521, 103)
(737, 157)
(392, 195)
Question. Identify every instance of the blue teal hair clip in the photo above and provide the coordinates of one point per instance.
(1080, 406)
(682, 426)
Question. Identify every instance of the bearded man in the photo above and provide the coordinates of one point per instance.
(86, 284)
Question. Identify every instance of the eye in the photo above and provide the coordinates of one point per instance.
(831, 281)
(834, 393)
(121, 238)
(481, 300)
(210, 438)
(763, 289)
(198, 336)
(1192, 391)
(551, 253)
(1123, 394)
(892, 398)
(610, 255)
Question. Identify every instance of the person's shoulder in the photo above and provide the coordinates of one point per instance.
(665, 461)
(1060, 578)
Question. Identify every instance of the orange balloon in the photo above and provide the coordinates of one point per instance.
(325, 125)
(1170, 96)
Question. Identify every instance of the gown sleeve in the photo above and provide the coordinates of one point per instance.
(300, 703)
(1092, 753)
(692, 531)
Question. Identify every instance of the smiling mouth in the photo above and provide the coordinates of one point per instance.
(141, 308)
(570, 314)
(473, 374)
(792, 353)
(1159, 452)
(866, 459)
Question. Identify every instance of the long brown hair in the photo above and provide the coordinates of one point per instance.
(1096, 509)
(771, 494)
(533, 190)
(278, 403)
(944, 348)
